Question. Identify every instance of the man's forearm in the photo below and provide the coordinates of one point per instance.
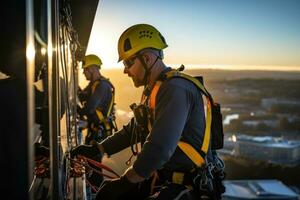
(117, 142)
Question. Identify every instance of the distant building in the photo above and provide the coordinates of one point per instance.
(267, 149)
(269, 122)
(267, 103)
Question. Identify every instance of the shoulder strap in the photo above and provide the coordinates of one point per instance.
(94, 85)
(195, 81)
(112, 102)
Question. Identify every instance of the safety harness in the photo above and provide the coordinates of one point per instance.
(191, 152)
(201, 177)
(107, 120)
(206, 174)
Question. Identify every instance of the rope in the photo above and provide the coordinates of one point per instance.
(84, 163)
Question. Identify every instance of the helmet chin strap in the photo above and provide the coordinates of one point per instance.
(147, 70)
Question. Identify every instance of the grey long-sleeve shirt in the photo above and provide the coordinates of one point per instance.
(179, 115)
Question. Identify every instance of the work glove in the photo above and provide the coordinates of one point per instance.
(114, 189)
(89, 151)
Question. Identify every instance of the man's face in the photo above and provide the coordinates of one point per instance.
(134, 69)
(87, 73)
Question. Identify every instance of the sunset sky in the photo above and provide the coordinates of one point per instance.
(207, 33)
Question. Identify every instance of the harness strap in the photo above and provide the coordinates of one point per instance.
(190, 151)
(152, 101)
(101, 117)
(176, 73)
(103, 120)
(177, 177)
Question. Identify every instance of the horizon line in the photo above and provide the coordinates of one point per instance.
(226, 67)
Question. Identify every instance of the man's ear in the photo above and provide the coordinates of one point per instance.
(147, 58)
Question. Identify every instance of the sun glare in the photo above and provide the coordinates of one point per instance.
(104, 44)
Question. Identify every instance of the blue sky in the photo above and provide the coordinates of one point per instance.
(206, 32)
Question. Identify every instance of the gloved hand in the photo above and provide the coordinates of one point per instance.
(113, 189)
(89, 151)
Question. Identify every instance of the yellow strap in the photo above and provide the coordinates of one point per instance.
(175, 73)
(189, 150)
(177, 177)
(102, 119)
(191, 153)
(111, 104)
(94, 86)
(207, 134)
(99, 113)
(112, 99)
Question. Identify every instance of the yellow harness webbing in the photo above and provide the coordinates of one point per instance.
(99, 113)
(185, 147)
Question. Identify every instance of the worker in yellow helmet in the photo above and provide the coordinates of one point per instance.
(98, 105)
(176, 159)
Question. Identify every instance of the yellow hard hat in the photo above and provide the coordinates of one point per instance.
(91, 60)
(138, 37)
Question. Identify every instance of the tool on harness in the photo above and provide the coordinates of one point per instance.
(141, 116)
(219, 167)
(140, 127)
(204, 178)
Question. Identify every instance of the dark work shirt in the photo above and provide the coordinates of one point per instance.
(179, 115)
(99, 99)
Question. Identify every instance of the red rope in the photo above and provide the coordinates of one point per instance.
(102, 166)
(87, 166)
(94, 188)
(97, 164)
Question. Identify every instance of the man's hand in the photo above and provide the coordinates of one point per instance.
(89, 151)
(114, 189)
